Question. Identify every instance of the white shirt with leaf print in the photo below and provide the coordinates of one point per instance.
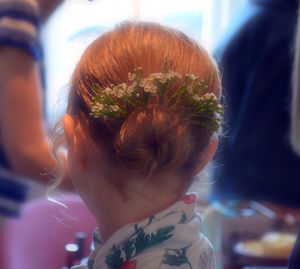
(170, 239)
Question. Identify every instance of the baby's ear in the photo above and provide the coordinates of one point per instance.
(69, 127)
(76, 142)
(208, 153)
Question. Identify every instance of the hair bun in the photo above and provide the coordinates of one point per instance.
(152, 140)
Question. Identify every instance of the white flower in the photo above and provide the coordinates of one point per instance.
(159, 76)
(210, 96)
(142, 84)
(151, 89)
(123, 86)
(192, 77)
(108, 91)
(131, 77)
(120, 93)
(120, 90)
(172, 75)
(149, 86)
(114, 89)
(97, 107)
(114, 109)
(129, 89)
(196, 97)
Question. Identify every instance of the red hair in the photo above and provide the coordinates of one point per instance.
(151, 140)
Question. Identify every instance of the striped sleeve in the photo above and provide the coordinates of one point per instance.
(12, 195)
(19, 26)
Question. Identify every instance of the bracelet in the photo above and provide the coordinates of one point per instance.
(20, 26)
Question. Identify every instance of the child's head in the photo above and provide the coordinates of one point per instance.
(153, 139)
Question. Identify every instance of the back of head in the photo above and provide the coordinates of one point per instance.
(152, 139)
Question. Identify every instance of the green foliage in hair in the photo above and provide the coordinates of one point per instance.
(191, 97)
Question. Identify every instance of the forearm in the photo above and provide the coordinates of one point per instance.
(22, 128)
(33, 162)
(23, 136)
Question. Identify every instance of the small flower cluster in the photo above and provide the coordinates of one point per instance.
(190, 96)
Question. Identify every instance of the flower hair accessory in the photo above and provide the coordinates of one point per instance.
(190, 97)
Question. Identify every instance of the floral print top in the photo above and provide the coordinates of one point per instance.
(169, 239)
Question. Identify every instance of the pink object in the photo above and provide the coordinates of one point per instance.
(38, 238)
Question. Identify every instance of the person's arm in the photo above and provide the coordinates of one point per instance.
(21, 123)
(22, 132)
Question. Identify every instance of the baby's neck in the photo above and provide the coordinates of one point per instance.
(117, 209)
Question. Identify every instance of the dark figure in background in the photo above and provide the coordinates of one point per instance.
(294, 261)
(256, 160)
